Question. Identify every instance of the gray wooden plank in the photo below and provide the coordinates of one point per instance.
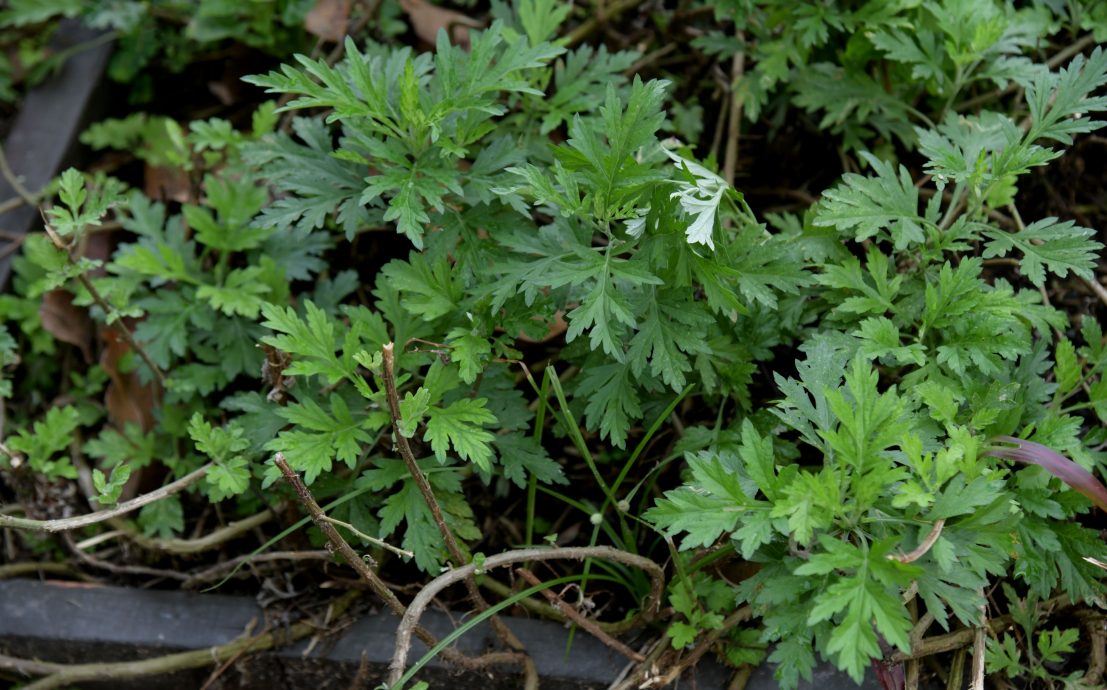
(43, 137)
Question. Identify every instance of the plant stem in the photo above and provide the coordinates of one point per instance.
(65, 675)
(207, 542)
(77, 521)
(107, 308)
(388, 365)
(414, 612)
(734, 117)
(336, 541)
(389, 378)
(375, 583)
(370, 538)
(217, 570)
(960, 638)
(25, 194)
(575, 616)
(602, 16)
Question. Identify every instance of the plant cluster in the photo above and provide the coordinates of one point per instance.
(872, 405)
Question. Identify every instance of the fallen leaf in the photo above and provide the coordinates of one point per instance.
(167, 183)
(66, 321)
(127, 398)
(327, 20)
(428, 20)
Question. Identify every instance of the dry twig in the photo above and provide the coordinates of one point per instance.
(419, 604)
(575, 616)
(920, 550)
(65, 675)
(103, 304)
(62, 524)
(374, 581)
(734, 117)
(388, 375)
(960, 638)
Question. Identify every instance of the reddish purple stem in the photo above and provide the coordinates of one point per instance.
(1056, 464)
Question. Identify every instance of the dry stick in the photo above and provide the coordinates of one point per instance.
(65, 675)
(388, 365)
(103, 304)
(375, 583)
(601, 17)
(741, 678)
(423, 599)
(87, 519)
(1054, 62)
(960, 638)
(734, 124)
(17, 569)
(658, 657)
(17, 184)
(737, 618)
(923, 547)
(575, 616)
(1097, 662)
(216, 571)
(977, 681)
(100, 563)
(911, 671)
(209, 541)
(1095, 287)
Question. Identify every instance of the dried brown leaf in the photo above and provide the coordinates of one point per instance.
(127, 398)
(66, 321)
(167, 183)
(327, 20)
(428, 19)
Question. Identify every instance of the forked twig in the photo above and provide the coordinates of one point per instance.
(388, 365)
(103, 304)
(572, 614)
(376, 583)
(414, 612)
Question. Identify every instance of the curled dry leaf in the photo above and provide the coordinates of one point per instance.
(427, 19)
(127, 398)
(167, 183)
(66, 321)
(327, 20)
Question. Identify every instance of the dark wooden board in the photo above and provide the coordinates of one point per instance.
(43, 137)
(77, 623)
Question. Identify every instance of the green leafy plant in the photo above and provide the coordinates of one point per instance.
(872, 409)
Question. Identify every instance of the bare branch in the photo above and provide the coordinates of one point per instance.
(426, 595)
(920, 550)
(576, 616)
(62, 524)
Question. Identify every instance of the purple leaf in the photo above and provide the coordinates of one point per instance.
(1056, 464)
